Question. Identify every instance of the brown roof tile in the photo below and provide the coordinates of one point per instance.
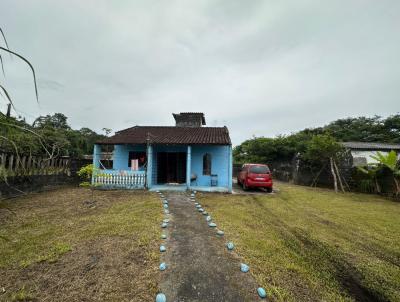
(171, 135)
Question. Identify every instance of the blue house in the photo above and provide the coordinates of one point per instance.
(185, 156)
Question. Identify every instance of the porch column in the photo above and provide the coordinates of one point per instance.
(188, 165)
(149, 166)
(230, 169)
(96, 158)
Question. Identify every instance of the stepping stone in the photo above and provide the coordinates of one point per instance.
(165, 206)
(230, 246)
(244, 267)
(165, 201)
(166, 211)
(162, 248)
(261, 292)
(196, 203)
(164, 225)
(158, 191)
(198, 206)
(212, 225)
(205, 213)
(220, 233)
(192, 195)
(163, 266)
(201, 210)
(166, 220)
(163, 236)
(208, 218)
(161, 298)
(194, 192)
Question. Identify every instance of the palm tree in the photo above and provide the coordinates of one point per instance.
(390, 161)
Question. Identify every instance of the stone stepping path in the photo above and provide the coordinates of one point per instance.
(199, 267)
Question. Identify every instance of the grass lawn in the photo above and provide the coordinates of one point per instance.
(61, 246)
(305, 244)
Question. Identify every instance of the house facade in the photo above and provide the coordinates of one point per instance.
(185, 156)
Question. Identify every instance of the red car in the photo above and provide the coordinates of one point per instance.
(255, 176)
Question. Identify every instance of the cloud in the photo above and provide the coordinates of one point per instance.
(260, 67)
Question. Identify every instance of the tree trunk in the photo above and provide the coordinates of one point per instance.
(333, 175)
(396, 182)
(378, 187)
(314, 183)
(338, 175)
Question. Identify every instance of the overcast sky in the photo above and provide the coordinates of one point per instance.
(260, 67)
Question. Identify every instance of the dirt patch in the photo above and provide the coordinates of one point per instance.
(112, 240)
(199, 266)
(99, 270)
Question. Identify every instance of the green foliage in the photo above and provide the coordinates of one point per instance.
(370, 183)
(50, 131)
(86, 172)
(389, 160)
(364, 129)
(321, 148)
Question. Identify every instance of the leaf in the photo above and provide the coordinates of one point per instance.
(29, 64)
(7, 95)
(4, 37)
(363, 170)
(2, 65)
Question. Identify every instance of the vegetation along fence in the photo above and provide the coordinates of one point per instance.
(25, 165)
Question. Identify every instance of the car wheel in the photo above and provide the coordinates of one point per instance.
(269, 189)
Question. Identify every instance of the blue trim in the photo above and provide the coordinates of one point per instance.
(149, 166)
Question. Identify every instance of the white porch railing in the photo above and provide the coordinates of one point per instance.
(124, 179)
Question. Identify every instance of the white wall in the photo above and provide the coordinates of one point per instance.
(367, 155)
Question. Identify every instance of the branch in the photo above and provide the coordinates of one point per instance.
(7, 96)
(2, 65)
(4, 37)
(29, 64)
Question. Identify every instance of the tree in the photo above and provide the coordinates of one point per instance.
(323, 149)
(372, 172)
(390, 161)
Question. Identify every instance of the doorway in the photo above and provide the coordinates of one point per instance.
(171, 167)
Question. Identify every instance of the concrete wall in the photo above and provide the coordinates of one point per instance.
(362, 157)
(220, 164)
(20, 185)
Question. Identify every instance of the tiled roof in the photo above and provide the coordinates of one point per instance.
(170, 135)
(371, 146)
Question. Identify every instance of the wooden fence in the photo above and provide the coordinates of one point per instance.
(25, 165)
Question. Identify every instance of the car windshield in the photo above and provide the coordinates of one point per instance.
(259, 169)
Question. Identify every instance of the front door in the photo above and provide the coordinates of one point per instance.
(171, 167)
